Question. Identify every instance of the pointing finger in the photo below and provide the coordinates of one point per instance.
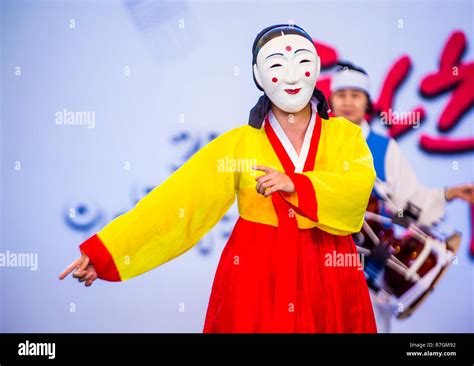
(69, 269)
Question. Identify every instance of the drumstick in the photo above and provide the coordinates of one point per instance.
(371, 233)
(401, 268)
(363, 251)
(379, 218)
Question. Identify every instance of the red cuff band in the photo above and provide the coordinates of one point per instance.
(100, 257)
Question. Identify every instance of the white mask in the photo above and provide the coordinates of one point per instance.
(287, 68)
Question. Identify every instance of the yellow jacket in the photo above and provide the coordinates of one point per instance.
(174, 216)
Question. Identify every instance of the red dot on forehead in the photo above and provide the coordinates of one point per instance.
(288, 48)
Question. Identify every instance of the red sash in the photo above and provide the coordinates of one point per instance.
(286, 256)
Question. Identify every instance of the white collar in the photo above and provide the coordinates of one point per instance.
(298, 161)
(364, 125)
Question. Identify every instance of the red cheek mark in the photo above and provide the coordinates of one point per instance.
(274, 80)
(288, 48)
(307, 73)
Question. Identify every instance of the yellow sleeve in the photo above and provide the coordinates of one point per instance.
(169, 220)
(337, 199)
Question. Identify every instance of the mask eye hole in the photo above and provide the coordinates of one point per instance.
(303, 61)
(276, 65)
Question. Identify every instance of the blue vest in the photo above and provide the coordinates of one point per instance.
(378, 147)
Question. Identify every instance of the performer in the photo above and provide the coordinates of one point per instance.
(350, 98)
(283, 268)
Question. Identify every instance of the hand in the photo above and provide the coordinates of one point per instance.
(273, 181)
(84, 270)
(464, 192)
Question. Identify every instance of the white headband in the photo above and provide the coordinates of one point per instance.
(350, 79)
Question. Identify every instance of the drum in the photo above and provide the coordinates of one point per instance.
(414, 258)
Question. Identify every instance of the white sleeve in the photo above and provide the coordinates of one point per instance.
(404, 186)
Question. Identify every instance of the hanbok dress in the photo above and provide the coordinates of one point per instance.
(281, 269)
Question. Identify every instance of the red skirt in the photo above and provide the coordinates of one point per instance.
(329, 297)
